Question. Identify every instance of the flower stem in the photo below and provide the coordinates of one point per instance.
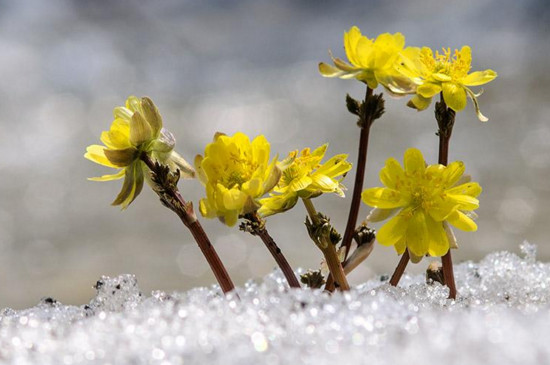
(260, 230)
(166, 189)
(400, 269)
(445, 120)
(327, 247)
(359, 178)
(372, 108)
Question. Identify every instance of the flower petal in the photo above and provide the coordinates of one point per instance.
(152, 115)
(462, 221)
(418, 236)
(454, 95)
(393, 231)
(327, 70)
(132, 186)
(140, 130)
(392, 173)
(384, 198)
(121, 158)
(480, 116)
(379, 214)
(414, 161)
(439, 243)
(479, 78)
(96, 153)
(118, 175)
(452, 173)
(419, 102)
(428, 90)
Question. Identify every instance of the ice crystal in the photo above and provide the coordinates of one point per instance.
(502, 316)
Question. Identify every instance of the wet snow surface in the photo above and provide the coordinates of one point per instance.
(501, 317)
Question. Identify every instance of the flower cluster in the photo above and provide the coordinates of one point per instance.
(410, 70)
(303, 176)
(136, 130)
(446, 73)
(235, 172)
(242, 181)
(424, 200)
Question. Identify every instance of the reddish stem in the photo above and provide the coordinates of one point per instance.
(277, 254)
(357, 188)
(400, 269)
(446, 122)
(173, 200)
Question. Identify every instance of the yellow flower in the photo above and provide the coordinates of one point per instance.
(303, 176)
(447, 73)
(426, 199)
(373, 61)
(136, 129)
(235, 172)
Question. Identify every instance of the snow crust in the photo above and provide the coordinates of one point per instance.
(502, 316)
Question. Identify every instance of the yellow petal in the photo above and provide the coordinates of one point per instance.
(472, 189)
(419, 102)
(384, 198)
(207, 209)
(152, 115)
(414, 161)
(379, 214)
(428, 90)
(393, 231)
(392, 173)
(452, 173)
(234, 199)
(335, 166)
(230, 218)
(118, 175)
(438, 242)
(301, 183)
(418, 237)
(442, 77)
(465, 202)
(96, 153)
(133, 104)
(462, 221)
(454, 95)
(401, 246)
(123, 113)
(351, 39)
(479, 78)
(328, 70)
(140, 130)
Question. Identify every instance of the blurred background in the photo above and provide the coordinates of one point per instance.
(246, 66)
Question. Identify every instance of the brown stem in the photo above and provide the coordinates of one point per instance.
(400, 269)
(327, 247)
(359, 178)
(357, 186)
(172, 199)
(275, 252)
(445, 120)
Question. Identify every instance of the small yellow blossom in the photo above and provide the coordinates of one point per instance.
(373, 61)
(235, 172)
(447, 73)
(303, 176)
(136, 129)
(426, 199)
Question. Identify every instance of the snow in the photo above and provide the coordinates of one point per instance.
(502, 316)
